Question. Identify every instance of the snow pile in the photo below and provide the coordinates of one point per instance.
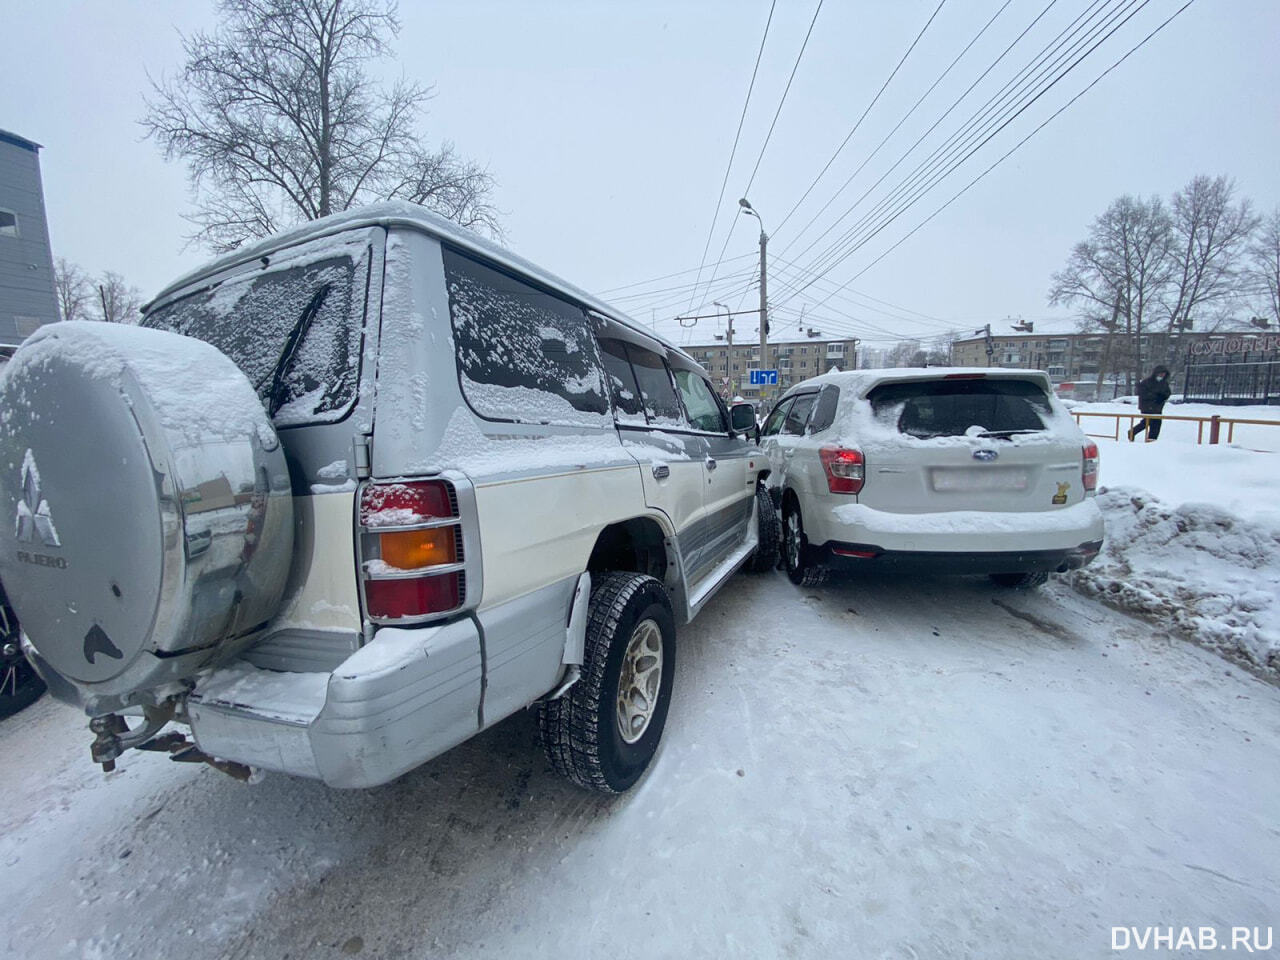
(1204, 571)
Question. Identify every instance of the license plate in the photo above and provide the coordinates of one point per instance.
(972, 481)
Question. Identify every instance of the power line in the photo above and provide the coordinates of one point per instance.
(961, 145)
(874, 100)
(733, 152)
(785, 91)
(665, 276)
(946, 113)
(1019, 144)
(905, 117)
(767, 137)
(944, 159)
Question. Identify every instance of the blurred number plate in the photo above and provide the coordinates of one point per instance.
(969, 481)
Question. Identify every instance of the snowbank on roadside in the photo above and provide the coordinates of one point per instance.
(1199, 568)
(1239, 480)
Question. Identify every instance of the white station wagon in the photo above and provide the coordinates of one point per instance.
(949, 470)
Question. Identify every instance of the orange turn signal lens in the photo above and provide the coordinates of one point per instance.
(414, 549)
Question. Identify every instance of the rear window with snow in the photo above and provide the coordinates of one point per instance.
(523, 354)
(293, 329)
(954, 408)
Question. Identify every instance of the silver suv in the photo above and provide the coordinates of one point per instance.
(357, 492)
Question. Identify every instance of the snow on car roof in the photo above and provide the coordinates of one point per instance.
(400, 213)
(863, 381)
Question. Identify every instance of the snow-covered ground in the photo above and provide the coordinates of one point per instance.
(1193, 532)
(1245, 435)
(880, 768)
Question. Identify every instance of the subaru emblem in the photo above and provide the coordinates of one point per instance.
(985, 455)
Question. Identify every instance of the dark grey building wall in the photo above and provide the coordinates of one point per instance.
(27, 297)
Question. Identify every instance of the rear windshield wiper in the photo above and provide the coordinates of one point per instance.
(1005, 433)
(291, 344)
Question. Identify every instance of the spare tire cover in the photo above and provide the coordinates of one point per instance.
(149, 503)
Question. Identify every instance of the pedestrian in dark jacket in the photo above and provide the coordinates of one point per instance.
(1153, 392)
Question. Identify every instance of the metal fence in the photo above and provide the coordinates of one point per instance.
(1232, 382)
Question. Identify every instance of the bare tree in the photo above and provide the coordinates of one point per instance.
(904, 353)
(1264, 264)
(278, 121)
(1210, 233)
(74, 290)
(1119, 274)
(116, 301)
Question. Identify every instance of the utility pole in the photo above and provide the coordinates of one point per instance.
(764, 310)
(764, 295)
(986, 331)
(728, 354)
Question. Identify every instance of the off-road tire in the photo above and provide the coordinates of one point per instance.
(798, 556)
(1021, 581)
(579, 731)
(19, 687)
(767, 550)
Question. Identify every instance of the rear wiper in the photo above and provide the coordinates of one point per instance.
(1005, 433)
(291, 344)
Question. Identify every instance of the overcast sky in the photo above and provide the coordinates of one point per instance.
(608, 127)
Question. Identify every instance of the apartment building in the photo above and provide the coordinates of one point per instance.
(796, 360)
(1078, 356)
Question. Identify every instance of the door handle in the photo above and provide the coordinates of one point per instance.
(788, 454)
(711, 463)
(661, 471)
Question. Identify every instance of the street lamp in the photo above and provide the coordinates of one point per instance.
(746, 208)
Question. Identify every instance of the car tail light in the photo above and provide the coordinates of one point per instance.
(1089, 473)
(411, 549)
(845, 469)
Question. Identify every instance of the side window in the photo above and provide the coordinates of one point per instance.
(700, 402)
(8, 223)
(661, 406)
(622, 382)
(798, 414)
(824, 411)
(774, 423)
(523, 354)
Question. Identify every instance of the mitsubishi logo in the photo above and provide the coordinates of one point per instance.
(33, 517)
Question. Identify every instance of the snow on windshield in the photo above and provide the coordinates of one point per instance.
(523, 354)
(252, 317)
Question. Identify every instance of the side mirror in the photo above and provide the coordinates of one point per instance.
(742, 417)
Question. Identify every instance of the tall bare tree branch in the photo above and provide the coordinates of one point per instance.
(278, 121)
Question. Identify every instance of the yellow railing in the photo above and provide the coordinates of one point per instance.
(1214, 422)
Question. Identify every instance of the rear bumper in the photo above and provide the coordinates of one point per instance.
(392, 705)
(956, 532)
(863, 556)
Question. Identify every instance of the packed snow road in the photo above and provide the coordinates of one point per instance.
(872, 769)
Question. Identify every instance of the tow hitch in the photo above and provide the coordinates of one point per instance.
(113, 737)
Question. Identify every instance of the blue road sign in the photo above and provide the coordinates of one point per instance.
(767, 378)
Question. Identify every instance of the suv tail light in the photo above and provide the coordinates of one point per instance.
(1089, 472)
(845, 468)
(411, 550)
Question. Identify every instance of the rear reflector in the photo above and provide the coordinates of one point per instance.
(845, 469)
(414, 597)
(860, 554)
